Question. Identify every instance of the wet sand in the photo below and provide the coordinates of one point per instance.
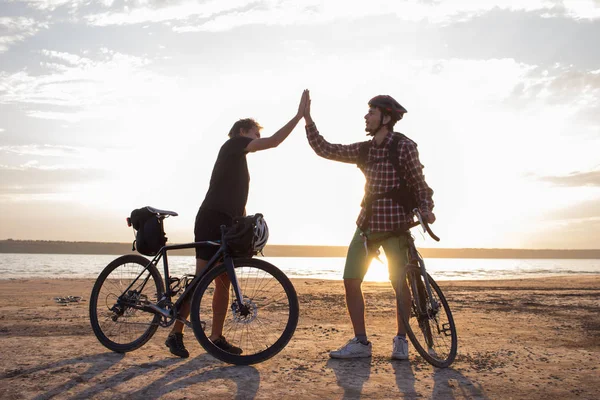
(518, 339)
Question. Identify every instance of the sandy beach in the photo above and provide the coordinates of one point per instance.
(518, 339)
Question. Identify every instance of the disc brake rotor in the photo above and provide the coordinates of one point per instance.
(245, 314)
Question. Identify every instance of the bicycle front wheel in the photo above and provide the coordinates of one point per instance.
(430, 325)
(261, 327)
(125, 286)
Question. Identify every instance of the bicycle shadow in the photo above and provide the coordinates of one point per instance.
(351, 375)
(448, 383)
(124, 376)
(405, 379)
(247, 379)
(98, 363)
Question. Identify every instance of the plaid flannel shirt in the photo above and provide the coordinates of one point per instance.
(381, 177)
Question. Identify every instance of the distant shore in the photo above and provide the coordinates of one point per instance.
(65, 247)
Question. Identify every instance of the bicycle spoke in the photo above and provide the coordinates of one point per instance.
(264, 321)
(115, 312)
(430, 325)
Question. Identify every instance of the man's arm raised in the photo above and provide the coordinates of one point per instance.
(278, 137)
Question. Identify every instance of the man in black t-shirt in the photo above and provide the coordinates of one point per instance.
(226, 198)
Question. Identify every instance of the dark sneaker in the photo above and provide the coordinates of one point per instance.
(223, 344)
(175, 343)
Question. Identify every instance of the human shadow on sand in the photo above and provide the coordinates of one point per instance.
(448, 383)
(405, 379)
(351, 375)
(197, 370)
(98, 363)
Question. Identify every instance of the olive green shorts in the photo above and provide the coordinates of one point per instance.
(357, 262)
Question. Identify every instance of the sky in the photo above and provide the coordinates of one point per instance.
(107, 106)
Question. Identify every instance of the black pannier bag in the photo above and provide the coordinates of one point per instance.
(149, 232)
(241, 233)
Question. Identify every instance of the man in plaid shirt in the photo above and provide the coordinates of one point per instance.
(382, 210)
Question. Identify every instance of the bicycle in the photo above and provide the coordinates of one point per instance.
(129, 301)
(429, 325)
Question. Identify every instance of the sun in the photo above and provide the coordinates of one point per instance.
(378, 271)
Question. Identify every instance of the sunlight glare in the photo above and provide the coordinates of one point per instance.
(378, 272)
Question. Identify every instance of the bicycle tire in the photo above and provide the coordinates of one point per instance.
(272, 318)
(428, 331)
(118, 327)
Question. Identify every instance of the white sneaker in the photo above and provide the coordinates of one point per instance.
(352, 349)
(399, 349)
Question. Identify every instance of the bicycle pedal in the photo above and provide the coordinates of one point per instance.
(446, 329)
(185, 322)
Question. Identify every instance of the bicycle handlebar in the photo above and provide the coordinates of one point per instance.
(423, 224)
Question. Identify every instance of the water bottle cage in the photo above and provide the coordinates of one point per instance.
(174, 285)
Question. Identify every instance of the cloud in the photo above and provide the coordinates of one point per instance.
(39, 169)
(59, 116)
(575, 179)
(48, 151)
(561, 84)
(219, 15)
(17, 29)
(582, 211)
(159, 11)
(34, 178)
(566, 234)
(51, 5)
(72, 87)
(527, 36)
(562, 90)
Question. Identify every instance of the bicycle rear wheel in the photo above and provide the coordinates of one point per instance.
(430, 325)
(115, 314)
(264, 324)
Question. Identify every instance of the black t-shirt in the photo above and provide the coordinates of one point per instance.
(230, 180)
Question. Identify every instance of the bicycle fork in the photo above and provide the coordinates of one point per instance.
(434, 304)
(239, 303)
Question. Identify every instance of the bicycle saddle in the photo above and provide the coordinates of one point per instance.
(161, 212)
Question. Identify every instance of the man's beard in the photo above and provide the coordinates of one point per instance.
(370, 132)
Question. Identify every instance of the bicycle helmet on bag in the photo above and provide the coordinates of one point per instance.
(261, 233)
(388, 106)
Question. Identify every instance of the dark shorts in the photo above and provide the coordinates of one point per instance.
(357, 261)
(208, 227)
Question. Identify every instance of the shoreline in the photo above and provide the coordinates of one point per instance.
(276, 250)
(502, 280)
(482, 280)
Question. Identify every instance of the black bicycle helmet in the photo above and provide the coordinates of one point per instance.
(388, 106)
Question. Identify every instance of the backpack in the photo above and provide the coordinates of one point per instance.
(403, 194)
(149, 232)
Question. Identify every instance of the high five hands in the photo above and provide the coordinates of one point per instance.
(304, 107)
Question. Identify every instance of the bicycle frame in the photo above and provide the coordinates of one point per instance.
(221, 253)
(415, 256)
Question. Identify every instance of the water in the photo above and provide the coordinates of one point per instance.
(14, 266)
